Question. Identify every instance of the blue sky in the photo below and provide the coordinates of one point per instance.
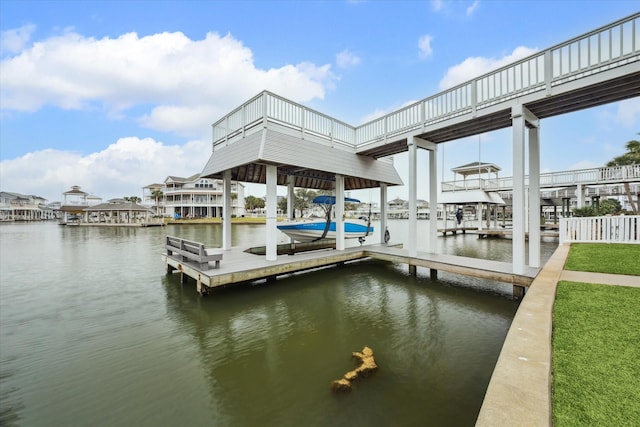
(113, 96)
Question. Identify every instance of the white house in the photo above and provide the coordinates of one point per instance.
(192, 197)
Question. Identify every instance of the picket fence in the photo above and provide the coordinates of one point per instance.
(607, 229)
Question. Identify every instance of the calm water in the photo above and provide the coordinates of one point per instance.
(92, 332)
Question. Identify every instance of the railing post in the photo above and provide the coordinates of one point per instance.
(264, 109)
(548, 70)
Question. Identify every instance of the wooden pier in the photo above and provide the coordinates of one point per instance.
(237, 266)
(456, 230)
(488, 233)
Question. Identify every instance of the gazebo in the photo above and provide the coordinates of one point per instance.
(478, 191)
(120, 213)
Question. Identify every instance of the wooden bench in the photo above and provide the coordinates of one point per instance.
(186, 251)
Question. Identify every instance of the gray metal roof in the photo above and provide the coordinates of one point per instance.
(313, 164)
(476, 168)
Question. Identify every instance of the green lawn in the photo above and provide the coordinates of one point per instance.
(596, 353)
(613, 258)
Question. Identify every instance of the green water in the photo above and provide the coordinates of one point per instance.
(93, 333)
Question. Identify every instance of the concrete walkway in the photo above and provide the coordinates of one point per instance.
(519, 393)
(601, 278)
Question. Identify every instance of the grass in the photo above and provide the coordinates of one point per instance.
(604, 258)
(596, 355)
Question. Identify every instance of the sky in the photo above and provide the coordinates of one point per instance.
(116, 95)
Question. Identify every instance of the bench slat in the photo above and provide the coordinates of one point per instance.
(188, 250)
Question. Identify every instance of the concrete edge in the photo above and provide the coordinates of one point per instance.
(519, 392)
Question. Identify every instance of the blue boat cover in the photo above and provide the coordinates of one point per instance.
(331, 200)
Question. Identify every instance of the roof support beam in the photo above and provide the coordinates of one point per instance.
(534, 197)
(433, 201)
(522, 118)
(226, 210)
(339, 212)
(272, 205)
(413, 199)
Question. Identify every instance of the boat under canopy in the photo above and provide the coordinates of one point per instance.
(315, 229)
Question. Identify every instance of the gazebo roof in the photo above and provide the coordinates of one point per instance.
(476, 168)
(470, 197)
(127, 206)
(75, 190)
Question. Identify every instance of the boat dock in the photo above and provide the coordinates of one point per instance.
(237, 266)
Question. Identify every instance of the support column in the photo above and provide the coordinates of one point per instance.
(518, 124)
(580, 196)
(272, 208)
(339, 212)
(534, 197)
(479, 215)
(226, 210)
(432, 240)
(383, 211)
(291, 198)
(413, 197)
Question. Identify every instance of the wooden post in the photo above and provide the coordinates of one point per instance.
(413, 270)
(518, 292)
(433, 274)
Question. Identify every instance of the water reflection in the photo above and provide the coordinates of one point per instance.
(272, 350)
(93, 333)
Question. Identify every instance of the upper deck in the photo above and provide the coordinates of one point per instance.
(599, 67)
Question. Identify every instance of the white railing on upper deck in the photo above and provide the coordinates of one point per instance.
(268, 107)
(608, 47)
(593, 176)
(600, 50)
(607, 229)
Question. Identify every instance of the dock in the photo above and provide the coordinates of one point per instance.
(236, 266)
(507, 232)
(456, 230)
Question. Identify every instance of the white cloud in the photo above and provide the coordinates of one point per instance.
(121, 169)
(14, 40)
(437, 5)
(346, 59)
(424, 45)
(165, 72)
(477, 66)
(474, 6)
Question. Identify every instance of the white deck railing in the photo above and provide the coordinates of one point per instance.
(614, 45)
(594, 176)
(608, 229)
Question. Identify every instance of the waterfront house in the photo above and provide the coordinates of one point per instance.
(22, 207)
(193, 197)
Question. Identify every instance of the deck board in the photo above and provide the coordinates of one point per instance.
(238, 266)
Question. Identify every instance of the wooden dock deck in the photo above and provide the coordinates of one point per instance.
(238, 266)
(456, 230)
(507, 232)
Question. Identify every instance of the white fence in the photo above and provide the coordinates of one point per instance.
(606, 229)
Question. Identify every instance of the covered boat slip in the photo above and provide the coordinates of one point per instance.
(273, 154)
(274, 141)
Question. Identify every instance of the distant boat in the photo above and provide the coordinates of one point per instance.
(314, 229)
